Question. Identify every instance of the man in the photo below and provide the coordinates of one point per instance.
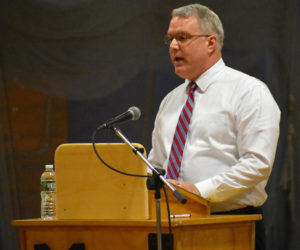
(231, 120)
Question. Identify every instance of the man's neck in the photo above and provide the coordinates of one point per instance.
(212, 61)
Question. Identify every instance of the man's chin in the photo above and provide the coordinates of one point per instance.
(185, 75)
(181, 73)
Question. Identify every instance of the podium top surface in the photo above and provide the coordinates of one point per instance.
(213, 219)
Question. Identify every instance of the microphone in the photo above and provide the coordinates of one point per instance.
(133, 113)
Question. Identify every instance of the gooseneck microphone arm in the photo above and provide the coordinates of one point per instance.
(177, 194)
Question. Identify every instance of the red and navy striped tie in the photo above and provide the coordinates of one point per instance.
(180, 135)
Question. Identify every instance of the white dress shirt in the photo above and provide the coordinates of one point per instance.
(232, 138)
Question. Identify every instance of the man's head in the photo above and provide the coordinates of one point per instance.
(196, 38)
(209, 21)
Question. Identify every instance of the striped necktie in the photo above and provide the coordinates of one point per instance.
(180, 135)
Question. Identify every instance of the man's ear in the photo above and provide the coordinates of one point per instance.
(212, 43)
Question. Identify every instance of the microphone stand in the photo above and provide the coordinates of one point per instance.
(155, 183)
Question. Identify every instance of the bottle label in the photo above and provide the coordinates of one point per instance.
(48, 186)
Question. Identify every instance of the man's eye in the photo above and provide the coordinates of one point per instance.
(181, 38)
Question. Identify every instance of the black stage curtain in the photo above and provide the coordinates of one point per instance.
(105, 56)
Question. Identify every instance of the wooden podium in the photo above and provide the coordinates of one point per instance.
(99, 209)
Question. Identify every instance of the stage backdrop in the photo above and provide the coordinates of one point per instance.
(67, 66)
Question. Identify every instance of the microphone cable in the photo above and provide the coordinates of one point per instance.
(168, 211)
(106, 164)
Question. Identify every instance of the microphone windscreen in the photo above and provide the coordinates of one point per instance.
(136, 113)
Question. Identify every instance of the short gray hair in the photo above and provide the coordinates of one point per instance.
(208, 20)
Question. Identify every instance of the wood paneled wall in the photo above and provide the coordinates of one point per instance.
(32, 125)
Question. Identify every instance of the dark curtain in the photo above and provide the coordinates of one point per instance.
(105, 56)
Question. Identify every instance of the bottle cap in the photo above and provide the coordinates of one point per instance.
(49, 166)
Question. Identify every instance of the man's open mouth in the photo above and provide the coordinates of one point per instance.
(178, 59)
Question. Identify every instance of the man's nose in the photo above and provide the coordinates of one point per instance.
(174, 44)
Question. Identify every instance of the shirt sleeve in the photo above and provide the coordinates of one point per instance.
(257, 123)
(157, 154)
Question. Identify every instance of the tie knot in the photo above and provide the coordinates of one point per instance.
(192, 87)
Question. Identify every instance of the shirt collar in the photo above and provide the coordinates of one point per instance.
(209, 76)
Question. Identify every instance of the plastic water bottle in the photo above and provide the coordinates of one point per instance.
(48, 193)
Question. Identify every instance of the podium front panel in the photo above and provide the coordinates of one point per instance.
(87, 189)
